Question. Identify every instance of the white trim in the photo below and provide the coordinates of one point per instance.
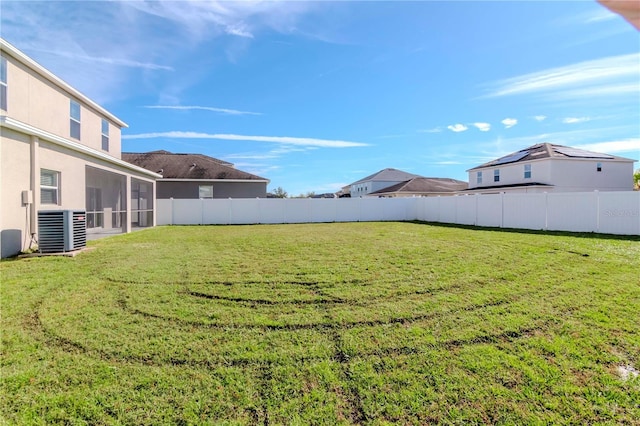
(19, 126)
(213, 180)
(5, 46)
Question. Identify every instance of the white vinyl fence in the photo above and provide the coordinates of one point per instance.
(603, 212)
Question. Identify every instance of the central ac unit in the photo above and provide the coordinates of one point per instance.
(61, 231)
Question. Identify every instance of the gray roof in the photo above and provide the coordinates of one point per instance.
(387, 175)
(187, 166)
(423, 185)
(547, 150)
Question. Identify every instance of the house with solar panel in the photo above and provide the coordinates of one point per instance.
(547, 167)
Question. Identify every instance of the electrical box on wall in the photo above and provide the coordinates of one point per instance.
(27, 197)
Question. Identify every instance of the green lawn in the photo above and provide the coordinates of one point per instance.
(358, 323)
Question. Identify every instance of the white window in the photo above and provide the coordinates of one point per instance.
(105, 135)
(496, 175)
(75, 120)
(206, 191)
(3, 83)
(527, 171)
(49, 187)
(479, 178)
(599, 167)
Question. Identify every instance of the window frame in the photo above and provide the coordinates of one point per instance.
(209, 188)
(598, 167)
(54, 188)
(74, 122)
(496, 175)
(4, 87)
(527, 171)
(478, 178)
(105, 135)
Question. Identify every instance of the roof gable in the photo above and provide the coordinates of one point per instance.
(387, 175)
(187, 166)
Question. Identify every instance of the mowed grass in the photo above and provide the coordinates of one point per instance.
(345, 323)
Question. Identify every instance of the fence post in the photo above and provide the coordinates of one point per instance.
(502, 209)
(597, 195)
(172, 212)
(546, 211)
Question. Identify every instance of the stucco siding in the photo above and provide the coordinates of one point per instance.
(512, 174)
(35, 100)
(582, 175)
(14, 178)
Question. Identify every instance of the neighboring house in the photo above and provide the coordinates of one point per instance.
(547, 167)
(422, 187)
(198, 176)
(59, 150)
(380, 180)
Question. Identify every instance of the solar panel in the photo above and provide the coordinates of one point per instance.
(511, 158)
(580, 153)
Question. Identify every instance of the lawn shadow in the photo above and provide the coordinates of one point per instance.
(591, 235)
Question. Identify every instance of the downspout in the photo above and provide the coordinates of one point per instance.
(35, 185)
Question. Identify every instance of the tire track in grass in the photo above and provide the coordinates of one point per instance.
(41, 333)
(356, 414)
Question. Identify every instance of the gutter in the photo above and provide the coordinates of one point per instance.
(215, 180)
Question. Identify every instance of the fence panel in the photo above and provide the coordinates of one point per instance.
(187, 212)
(525, 211)
(164, 212)
(242, 211)
(431, 211)
(271, 210)
(216, 211)
(323, 209)
(572, 211)
(489, 210)
(448, 210)
(465, 209)
(619, 213)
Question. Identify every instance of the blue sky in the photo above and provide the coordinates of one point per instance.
(316, 95)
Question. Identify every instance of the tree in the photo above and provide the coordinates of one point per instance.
(636, 180)
(280, 193)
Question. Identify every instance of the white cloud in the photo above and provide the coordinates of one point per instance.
(613, 147)
(483, 127)
(610, 90)
(596, 72)
(574, 120)
(509, 122)
(287, 140)
(204, 108)
(433, 130)
(540, 117)
(457, 128)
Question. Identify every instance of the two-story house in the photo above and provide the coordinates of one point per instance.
(379, 180)
(548, 167)
(59, 150)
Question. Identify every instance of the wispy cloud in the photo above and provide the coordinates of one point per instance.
(614, 147)
(483, 127)
(457, 128)
(287, 140)
(585, 75)
(574, 120)
(203, 108)
(433, 130)
(509, 122)
(115, 61)
(540, 117)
